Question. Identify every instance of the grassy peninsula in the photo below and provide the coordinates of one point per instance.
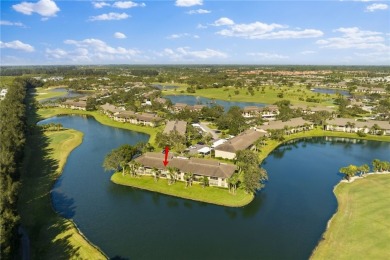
(51, 236)
(360, 227)
(213, 195)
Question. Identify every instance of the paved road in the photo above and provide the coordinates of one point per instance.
(212, 132)
(25, 242)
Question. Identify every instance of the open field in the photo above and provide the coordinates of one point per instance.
(103, 119)
(51, 236)
(213, 195)
(360, 229)
(269, 96)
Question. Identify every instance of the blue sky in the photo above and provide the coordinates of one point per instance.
(195, 32)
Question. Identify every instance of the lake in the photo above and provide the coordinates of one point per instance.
(194, 100)
(330, 91)
(285, 220)
(69, 94)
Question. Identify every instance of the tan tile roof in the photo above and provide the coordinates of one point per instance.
(241, 141)
(110, 108)
(278, 124)
(204, 167)
(179, 126)
(369, 123)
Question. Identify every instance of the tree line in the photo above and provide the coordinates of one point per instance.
(12, 140)
(354, 170)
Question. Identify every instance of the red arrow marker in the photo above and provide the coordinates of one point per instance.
(165, 162)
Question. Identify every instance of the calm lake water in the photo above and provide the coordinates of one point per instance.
(193, 100)
(69, 94)
(330, 91)
(285, 221)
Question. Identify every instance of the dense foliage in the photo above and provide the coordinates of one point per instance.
(12, 140)
(253, 176)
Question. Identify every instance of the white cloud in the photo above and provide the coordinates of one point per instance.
(17, 45)
(100, 46)
(187, 3)
(91, 51)
(259, 30)
(307, 52)
(127, 4)
(199, 11)
(46, 8)
(56, 53)
(4, 22)
(375, 7)
(109, 16)
(267, 55)
(354, 38)
(201, 26)
(186, 54)
(120, 35)
(100, 4)
(223, 21)
(182, 35)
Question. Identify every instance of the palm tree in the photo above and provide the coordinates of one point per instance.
(156, 173)
(205, 181)
(133, 167)
(364, 169)
(376, 165)
(172, 174)
(233, 182)
(349, 171)
(188, 178)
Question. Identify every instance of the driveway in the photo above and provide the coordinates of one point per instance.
(211, 131)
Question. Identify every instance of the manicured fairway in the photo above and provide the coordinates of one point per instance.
(269, 96)
(46, 93)
(50, 235)
(361, 227)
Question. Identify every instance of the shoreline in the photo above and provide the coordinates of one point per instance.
(320, 245)
(118, 179)
(362, 177)
(58, 175)
(46, 216)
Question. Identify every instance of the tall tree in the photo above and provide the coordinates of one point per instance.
(349, 171)
(253, 176)
(118, 158)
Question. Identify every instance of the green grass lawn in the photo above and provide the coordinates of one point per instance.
(269, 96)
(214, 195)
(361, 227)
(45, 93)
(51, 236)
(103, 119)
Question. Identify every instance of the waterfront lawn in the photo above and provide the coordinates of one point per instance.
(103, 119)
(361, 227)
(270, 95)
(50, 235)
(213, 195)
